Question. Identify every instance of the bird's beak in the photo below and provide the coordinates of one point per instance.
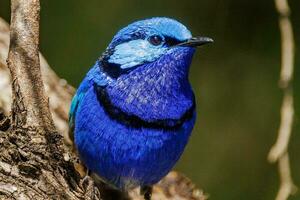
(196, 41)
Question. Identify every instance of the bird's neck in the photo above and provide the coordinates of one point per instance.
(155, 91)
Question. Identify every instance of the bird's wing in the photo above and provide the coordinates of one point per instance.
(94, 76)
(74, 106)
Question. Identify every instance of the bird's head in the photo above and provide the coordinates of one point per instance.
(148, 62)
(146, 41)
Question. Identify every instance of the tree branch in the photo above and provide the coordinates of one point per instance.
(34, 163)
(59, 91)
(30, 105)
(279, 152)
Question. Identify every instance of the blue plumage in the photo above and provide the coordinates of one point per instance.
(135, 110)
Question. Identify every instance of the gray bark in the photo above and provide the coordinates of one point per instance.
(30, 105)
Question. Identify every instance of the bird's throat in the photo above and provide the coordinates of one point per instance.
(156, 91)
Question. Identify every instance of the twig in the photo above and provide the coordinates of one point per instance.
(285, 129)
(279, 152)
(287, 186)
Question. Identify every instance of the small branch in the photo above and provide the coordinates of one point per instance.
(287, 43)
(287, 186)
(279, 152)
(30, 106)
(285, 129)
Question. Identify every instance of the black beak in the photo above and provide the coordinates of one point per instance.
(196, 41)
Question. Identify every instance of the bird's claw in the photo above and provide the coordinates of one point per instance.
(85, 180)
(147, 192)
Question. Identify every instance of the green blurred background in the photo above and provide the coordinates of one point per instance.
(235, 80)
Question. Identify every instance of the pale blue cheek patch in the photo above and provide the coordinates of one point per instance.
(135, 52)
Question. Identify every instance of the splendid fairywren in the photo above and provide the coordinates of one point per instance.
(133, 113)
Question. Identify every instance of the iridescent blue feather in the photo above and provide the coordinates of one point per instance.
(135, 110)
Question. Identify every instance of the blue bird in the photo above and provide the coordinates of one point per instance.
(133, 113)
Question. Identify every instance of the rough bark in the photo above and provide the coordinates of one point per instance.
(30, 105)
(34, 162)
(58, 90)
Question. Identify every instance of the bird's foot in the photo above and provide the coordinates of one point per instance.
(147, 192)
(86, 178)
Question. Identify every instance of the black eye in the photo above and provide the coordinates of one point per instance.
(155, 40)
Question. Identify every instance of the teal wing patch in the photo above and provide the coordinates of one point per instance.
(73, 109)
(94, 76)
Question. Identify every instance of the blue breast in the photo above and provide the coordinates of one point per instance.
(132, 130)
(123, 155)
